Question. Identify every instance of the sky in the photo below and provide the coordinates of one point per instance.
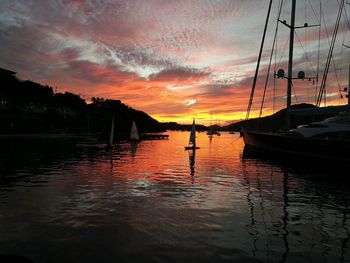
(175, 60)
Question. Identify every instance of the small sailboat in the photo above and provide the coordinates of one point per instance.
(192, 140)
(134, 135)
(210, 132)
(111, 135)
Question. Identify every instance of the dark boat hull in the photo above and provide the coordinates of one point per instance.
(191, 148)
(287, 146)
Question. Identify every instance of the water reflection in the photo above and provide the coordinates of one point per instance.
(192, 159)
(133, 147)
(304, 211)
(153, 201)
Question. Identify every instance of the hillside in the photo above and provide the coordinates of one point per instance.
(182, 127)
(277, 121)
(29, 107)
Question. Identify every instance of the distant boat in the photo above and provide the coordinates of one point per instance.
(111, 135)
(134, 135)
(217, 133)
(210, 132)
(192, 140)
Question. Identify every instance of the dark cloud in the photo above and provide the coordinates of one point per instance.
(179, 74)
(214, 91)
(91, 74)
(208, 49)
(138, 56)
(24, 50)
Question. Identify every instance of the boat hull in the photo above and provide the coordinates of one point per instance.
(286, 146)
(191, 148)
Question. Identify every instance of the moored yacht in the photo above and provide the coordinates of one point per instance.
(328, 139)
(337, 128)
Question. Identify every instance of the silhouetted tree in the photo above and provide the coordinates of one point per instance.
(26, 106)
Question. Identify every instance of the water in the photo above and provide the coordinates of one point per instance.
(155, 202)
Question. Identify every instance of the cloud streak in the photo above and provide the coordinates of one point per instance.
(174, 60)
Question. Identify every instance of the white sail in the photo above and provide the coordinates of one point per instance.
(134, 135)
(192, 140)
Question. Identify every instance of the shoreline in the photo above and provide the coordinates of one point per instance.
(48, 136)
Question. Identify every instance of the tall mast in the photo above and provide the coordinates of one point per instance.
(258, 64)
(193, 134)
(290, 64)
(349, 89)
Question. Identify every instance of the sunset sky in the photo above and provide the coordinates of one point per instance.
(172, 59)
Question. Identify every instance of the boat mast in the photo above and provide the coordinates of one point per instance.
(290, 64)
(193, 135)
(329, 57)
(349, 83)
(349, 89)
(258, 64)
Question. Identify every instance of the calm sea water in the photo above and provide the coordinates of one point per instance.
(155, 202)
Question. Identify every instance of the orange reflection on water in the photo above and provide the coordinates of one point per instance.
(155, 196)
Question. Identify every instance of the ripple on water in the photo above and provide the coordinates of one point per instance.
(153, 201)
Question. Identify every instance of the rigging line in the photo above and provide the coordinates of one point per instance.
(305, 53)
(341, 60)
(313, 10)
(280, 3)
(336, 74)
(333, 63)
(274, 95)
(307, 49)
(326, 69)
(258, 64)
(284, 50)
(329, 57)
(318, 52)
(295, 95)
(269, 67)
(278, 65)
(347, 18)
(325, 27)
(336, 71)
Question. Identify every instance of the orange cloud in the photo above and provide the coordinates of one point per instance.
(172, 60)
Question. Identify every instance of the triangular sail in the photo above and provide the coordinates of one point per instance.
(134, 135)
(193, 135)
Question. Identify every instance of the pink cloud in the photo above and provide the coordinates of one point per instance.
(154, 55)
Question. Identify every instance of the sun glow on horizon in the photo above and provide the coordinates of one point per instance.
(176, 61)
(205, 119)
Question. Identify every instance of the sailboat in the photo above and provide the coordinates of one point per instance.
(210, 131)
(134, 135)
(192, 141)
(328, 140)
(111, 135)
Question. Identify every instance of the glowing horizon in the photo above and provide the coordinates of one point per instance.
(174, 61)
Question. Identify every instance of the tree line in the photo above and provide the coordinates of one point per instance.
(29, 107)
